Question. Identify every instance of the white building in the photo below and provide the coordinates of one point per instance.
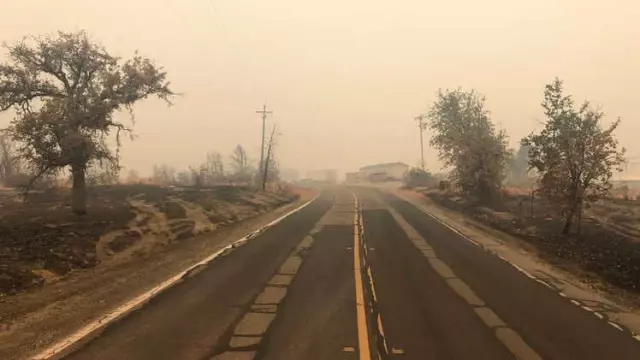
(395, 171)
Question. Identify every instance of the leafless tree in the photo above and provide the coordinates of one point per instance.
(65, 90)
(163, 174)
(215, 167)
(240, 164)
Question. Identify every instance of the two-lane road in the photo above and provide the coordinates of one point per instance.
(360, 274)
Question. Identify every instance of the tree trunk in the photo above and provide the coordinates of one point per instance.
(580, 209)
(569, 220)
(79, 190)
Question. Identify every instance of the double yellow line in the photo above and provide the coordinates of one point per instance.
(361, 310)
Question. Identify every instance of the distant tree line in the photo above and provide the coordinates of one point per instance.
(571, 159)
(213, 171)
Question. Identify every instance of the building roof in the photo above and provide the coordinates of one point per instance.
(377, 166)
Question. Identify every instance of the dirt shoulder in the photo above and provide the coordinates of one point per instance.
(34, 319)
(570, 280)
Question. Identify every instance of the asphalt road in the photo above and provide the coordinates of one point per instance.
(378, 281)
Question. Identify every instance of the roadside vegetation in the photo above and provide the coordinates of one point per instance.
(65, 203)
(555, 190)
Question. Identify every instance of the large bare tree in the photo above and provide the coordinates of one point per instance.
(65, 90)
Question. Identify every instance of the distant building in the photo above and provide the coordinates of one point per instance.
(383, 172)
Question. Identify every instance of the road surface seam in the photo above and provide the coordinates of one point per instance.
(66, 345)
(488, 249)
(249, 332)
(507, 336)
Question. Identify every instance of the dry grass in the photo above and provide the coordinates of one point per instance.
(607, 248)
(42, 240)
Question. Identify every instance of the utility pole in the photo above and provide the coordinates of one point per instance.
(264, 113)
(268, 160)
(420, 120)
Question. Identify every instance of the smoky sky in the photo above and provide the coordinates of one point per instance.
(346, 78)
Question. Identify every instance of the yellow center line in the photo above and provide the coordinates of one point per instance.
(361, 314)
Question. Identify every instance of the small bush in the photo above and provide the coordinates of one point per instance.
(444, 185)
(173, 210)
(416, 177)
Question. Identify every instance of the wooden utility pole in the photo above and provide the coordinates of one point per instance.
(268, 159)
(264, 113)
(420, 120)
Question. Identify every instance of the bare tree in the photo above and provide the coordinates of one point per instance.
(240, 164)
(573, 154)
(163, 175)
(65, 90)
(215, 166)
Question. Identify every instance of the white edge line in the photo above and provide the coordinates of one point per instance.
(574, 302)
(616, 325)
(138, 301)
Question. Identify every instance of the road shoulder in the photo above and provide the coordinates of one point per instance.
(524, 258)
(39, 319)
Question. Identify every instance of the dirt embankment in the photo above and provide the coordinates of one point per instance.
(42, 240)
(61, 272)
(607, 250)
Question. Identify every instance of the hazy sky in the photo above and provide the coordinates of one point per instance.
(346, 78)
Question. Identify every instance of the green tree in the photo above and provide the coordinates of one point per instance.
(65, 90)
(416, 176)
(468, 143)
(573, 154)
